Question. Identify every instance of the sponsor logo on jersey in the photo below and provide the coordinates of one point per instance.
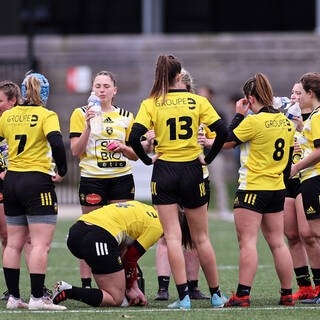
(82, 197)
(311, 210)
(93, 198)
(109, 130)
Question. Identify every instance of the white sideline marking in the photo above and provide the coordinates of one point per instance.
(125, 310)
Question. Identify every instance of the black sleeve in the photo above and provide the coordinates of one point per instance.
(74, 134)
(58, 151)
(238, 117)
(1, 138)
(287, 170)
(135, 142)
(316, 143)
(221, 135)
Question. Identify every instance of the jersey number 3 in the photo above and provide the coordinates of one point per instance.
(22, 143)
(185, 125)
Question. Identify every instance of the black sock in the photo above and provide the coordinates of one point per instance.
(285, 292)
(316, 276)
(12, 277)
(302, 276)
(163, 282)
(243, 290)
(91, 296)
(192, 284)
(37, 283)
(182, 290)
(215, 290)
(86, 282)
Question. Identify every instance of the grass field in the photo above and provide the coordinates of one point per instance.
(264, 297)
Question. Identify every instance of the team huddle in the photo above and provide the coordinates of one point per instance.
(179, 133)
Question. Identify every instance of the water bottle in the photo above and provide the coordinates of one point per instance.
(281, 102)
(294, 111)
(96, 123)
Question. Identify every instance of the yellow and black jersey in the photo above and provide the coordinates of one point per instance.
(297, 156)
(176, 123)
(309, 140)
(267, 138)
(98, 161)
(125, 220)
(25, 129)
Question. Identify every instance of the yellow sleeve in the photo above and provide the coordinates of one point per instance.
(77, 121)
(51, 123)
(1, 126)
(130, 126)
(315, 127)
(245, 130)
(144, 115)
(150, 237)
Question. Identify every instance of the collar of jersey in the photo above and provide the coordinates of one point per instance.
(177, 90)
(266, 109)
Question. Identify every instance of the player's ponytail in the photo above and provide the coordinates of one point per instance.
(33, 87)
(259, 87)
(166, 71)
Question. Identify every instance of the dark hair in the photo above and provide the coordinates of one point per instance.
(186, 237)
(166, 71)
(259, 87)
(109, 74)
(11, 90)
(311, 81)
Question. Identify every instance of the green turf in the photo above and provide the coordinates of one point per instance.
(264, 298)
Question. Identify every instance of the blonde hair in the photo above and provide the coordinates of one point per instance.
(187, 79)
(33, 89)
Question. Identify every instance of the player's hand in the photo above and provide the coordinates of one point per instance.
(299, 123)
(57, 178)
(3, 174)
(242, 106)
(202, 161)
(201, 138)
(297, 147)
(150, 135)
(89, 115)
(155, 157)
(294, 170)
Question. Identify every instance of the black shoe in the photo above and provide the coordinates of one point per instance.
(5, 296)
(162, 295)
(47, 292)
(196, 294)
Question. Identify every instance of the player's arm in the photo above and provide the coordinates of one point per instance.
(80, 131)
(58, 152)
(287, 170)
(134, 252)
(221, 135)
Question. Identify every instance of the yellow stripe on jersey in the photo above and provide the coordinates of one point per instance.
(98, 161)
(267, 138)
(132, 219)
(26, 128)
(309, 134)
(176, 123)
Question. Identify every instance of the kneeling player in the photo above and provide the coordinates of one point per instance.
(97, 237)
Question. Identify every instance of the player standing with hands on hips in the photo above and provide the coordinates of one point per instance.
(177, 178)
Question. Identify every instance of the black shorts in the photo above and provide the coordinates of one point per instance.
(293, 188)
(96, 246)
(1, 191)
(29, 193)
(178, 182)
(310, 190)
(260, 201)
(99, 191)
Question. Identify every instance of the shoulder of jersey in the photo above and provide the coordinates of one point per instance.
(123, 112)
(82, 109)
